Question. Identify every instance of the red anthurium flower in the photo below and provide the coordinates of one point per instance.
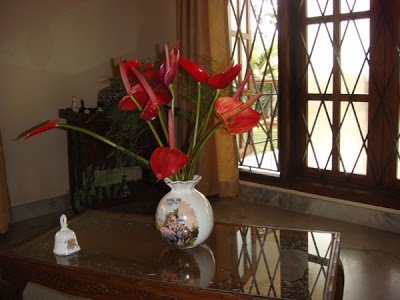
(126, 104)
(221, 81)
(167, 71)
(128, 65)
(148, 69)
(237, 116)
(46, 127)
(163, 94)
(139, 94)
(159, 96)
(127, 74)
(194, 70)
(166, 161)
(150, 111)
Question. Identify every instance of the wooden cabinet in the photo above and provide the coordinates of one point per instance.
(85, 151)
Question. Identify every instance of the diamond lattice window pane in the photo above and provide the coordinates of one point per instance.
(353, 5)
(316, 8)
(353, 154)
(321, 58)
(244, 22)
(317, 272)
(235, 54)
(255, 46)
(320, 146)
(355, 43)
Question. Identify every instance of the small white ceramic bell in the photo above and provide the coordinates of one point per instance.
(65, 240)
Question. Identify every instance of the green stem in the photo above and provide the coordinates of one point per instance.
(196, 151)
(171, 88)
(163, 122)
(107, 141)
(210, 110)
(157, 137)
(196, 125)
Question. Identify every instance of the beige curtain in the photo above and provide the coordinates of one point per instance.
(202, 32)
(5, 210)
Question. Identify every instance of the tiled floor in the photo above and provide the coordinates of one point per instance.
(370, 257)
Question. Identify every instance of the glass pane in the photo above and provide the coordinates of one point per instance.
(235, 54)
(233, 8)
(258, 150)
(317, 8)
(351, 141)
(243, 23)
(321, 61)
(353, 5)
(320, 146)
(354, 46)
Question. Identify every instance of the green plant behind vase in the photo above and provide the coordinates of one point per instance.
(127, 130)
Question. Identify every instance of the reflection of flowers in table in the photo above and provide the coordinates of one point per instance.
(151, 92)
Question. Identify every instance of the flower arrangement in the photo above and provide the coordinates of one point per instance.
(152, 93)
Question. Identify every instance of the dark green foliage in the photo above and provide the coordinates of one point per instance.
(127, 130)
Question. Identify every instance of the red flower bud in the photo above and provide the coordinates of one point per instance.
(46, 127)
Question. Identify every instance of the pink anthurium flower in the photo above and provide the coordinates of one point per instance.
(43, 128)
(166, 161)
(124, 77)
(237, 116)
(167, 71)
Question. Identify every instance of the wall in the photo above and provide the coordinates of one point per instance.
(52, 50)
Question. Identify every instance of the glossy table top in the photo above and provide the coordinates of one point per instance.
(236, 259)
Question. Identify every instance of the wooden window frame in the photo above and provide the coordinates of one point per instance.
(384, 192)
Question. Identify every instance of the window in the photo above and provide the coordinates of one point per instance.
(254, 44)
(338, 96)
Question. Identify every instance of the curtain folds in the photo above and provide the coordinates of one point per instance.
(5, 209)
(202, 33)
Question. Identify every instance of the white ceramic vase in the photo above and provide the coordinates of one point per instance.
(184, 216)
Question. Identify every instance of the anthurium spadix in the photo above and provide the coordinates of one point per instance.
(166, 161)
(237, 116)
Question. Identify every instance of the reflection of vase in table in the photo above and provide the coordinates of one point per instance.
(184, 216)
(195, 267)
